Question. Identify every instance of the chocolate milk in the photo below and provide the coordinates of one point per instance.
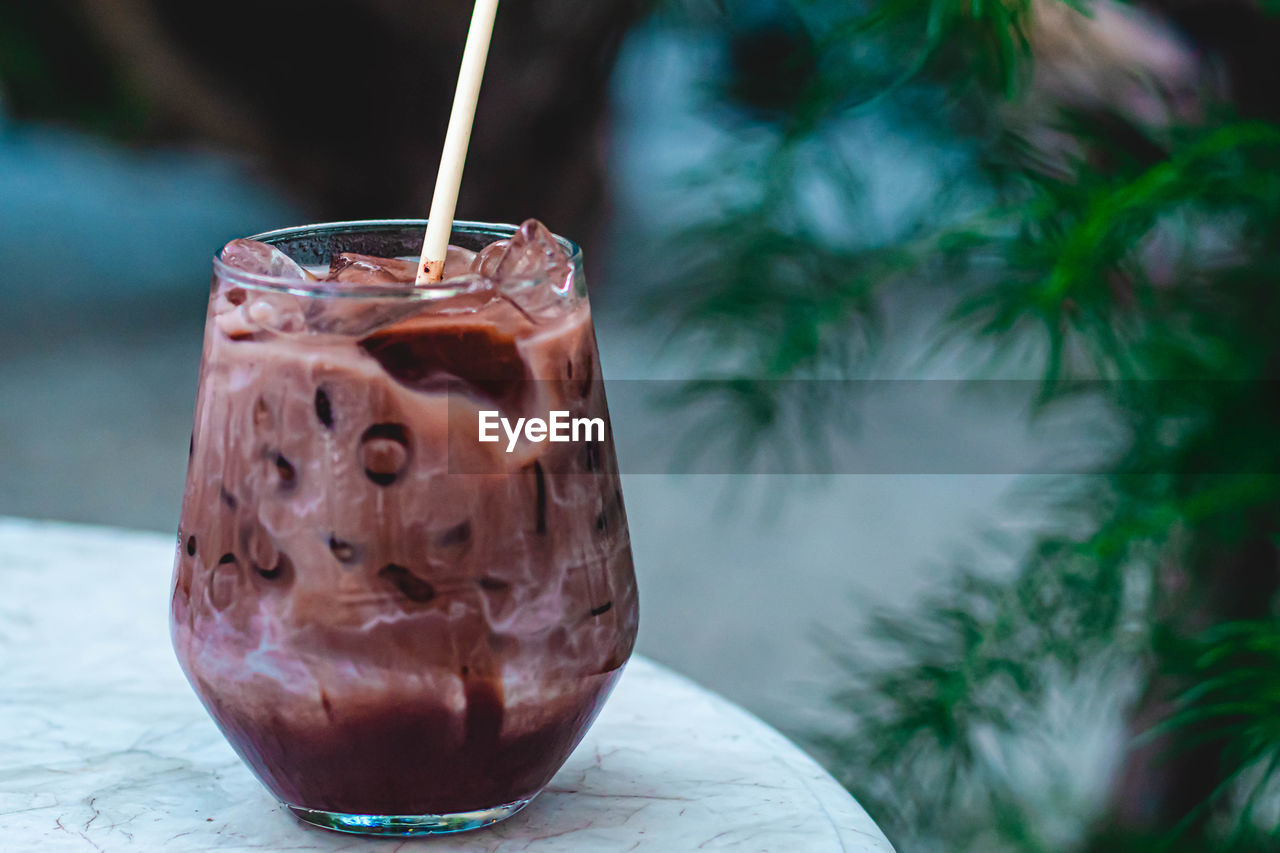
(384, 615)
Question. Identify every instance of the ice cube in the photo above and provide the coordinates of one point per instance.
(276, 312)
(358, 318)
(361, 317)
(459, 262)
(260, 259)
(247, 317)
(533, 254)
(486, 262)
(366, 269)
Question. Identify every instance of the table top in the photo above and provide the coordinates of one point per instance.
(105, 747)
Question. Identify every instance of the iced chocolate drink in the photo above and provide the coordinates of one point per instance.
(400, 627)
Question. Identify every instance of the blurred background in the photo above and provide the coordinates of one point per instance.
(1063, 217)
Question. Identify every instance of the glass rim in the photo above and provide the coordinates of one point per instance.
(408, 290)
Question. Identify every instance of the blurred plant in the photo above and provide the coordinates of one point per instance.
(1130, 244)
(51, 68)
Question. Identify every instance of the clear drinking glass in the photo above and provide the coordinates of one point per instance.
(401, 629)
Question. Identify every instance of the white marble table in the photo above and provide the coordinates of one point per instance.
(104, 747)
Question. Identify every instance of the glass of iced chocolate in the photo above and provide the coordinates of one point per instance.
(401, 623)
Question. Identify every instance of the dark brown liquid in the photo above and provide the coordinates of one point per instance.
(404, 760)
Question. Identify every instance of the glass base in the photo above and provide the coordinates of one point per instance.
(402, 825)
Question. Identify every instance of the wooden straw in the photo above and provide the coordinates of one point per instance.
(436, 245)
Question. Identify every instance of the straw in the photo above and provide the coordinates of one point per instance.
(445, 201)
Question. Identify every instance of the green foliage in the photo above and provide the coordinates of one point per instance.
(983, 41)
(1139, 266)
(1071, 252)
(1231, 701)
